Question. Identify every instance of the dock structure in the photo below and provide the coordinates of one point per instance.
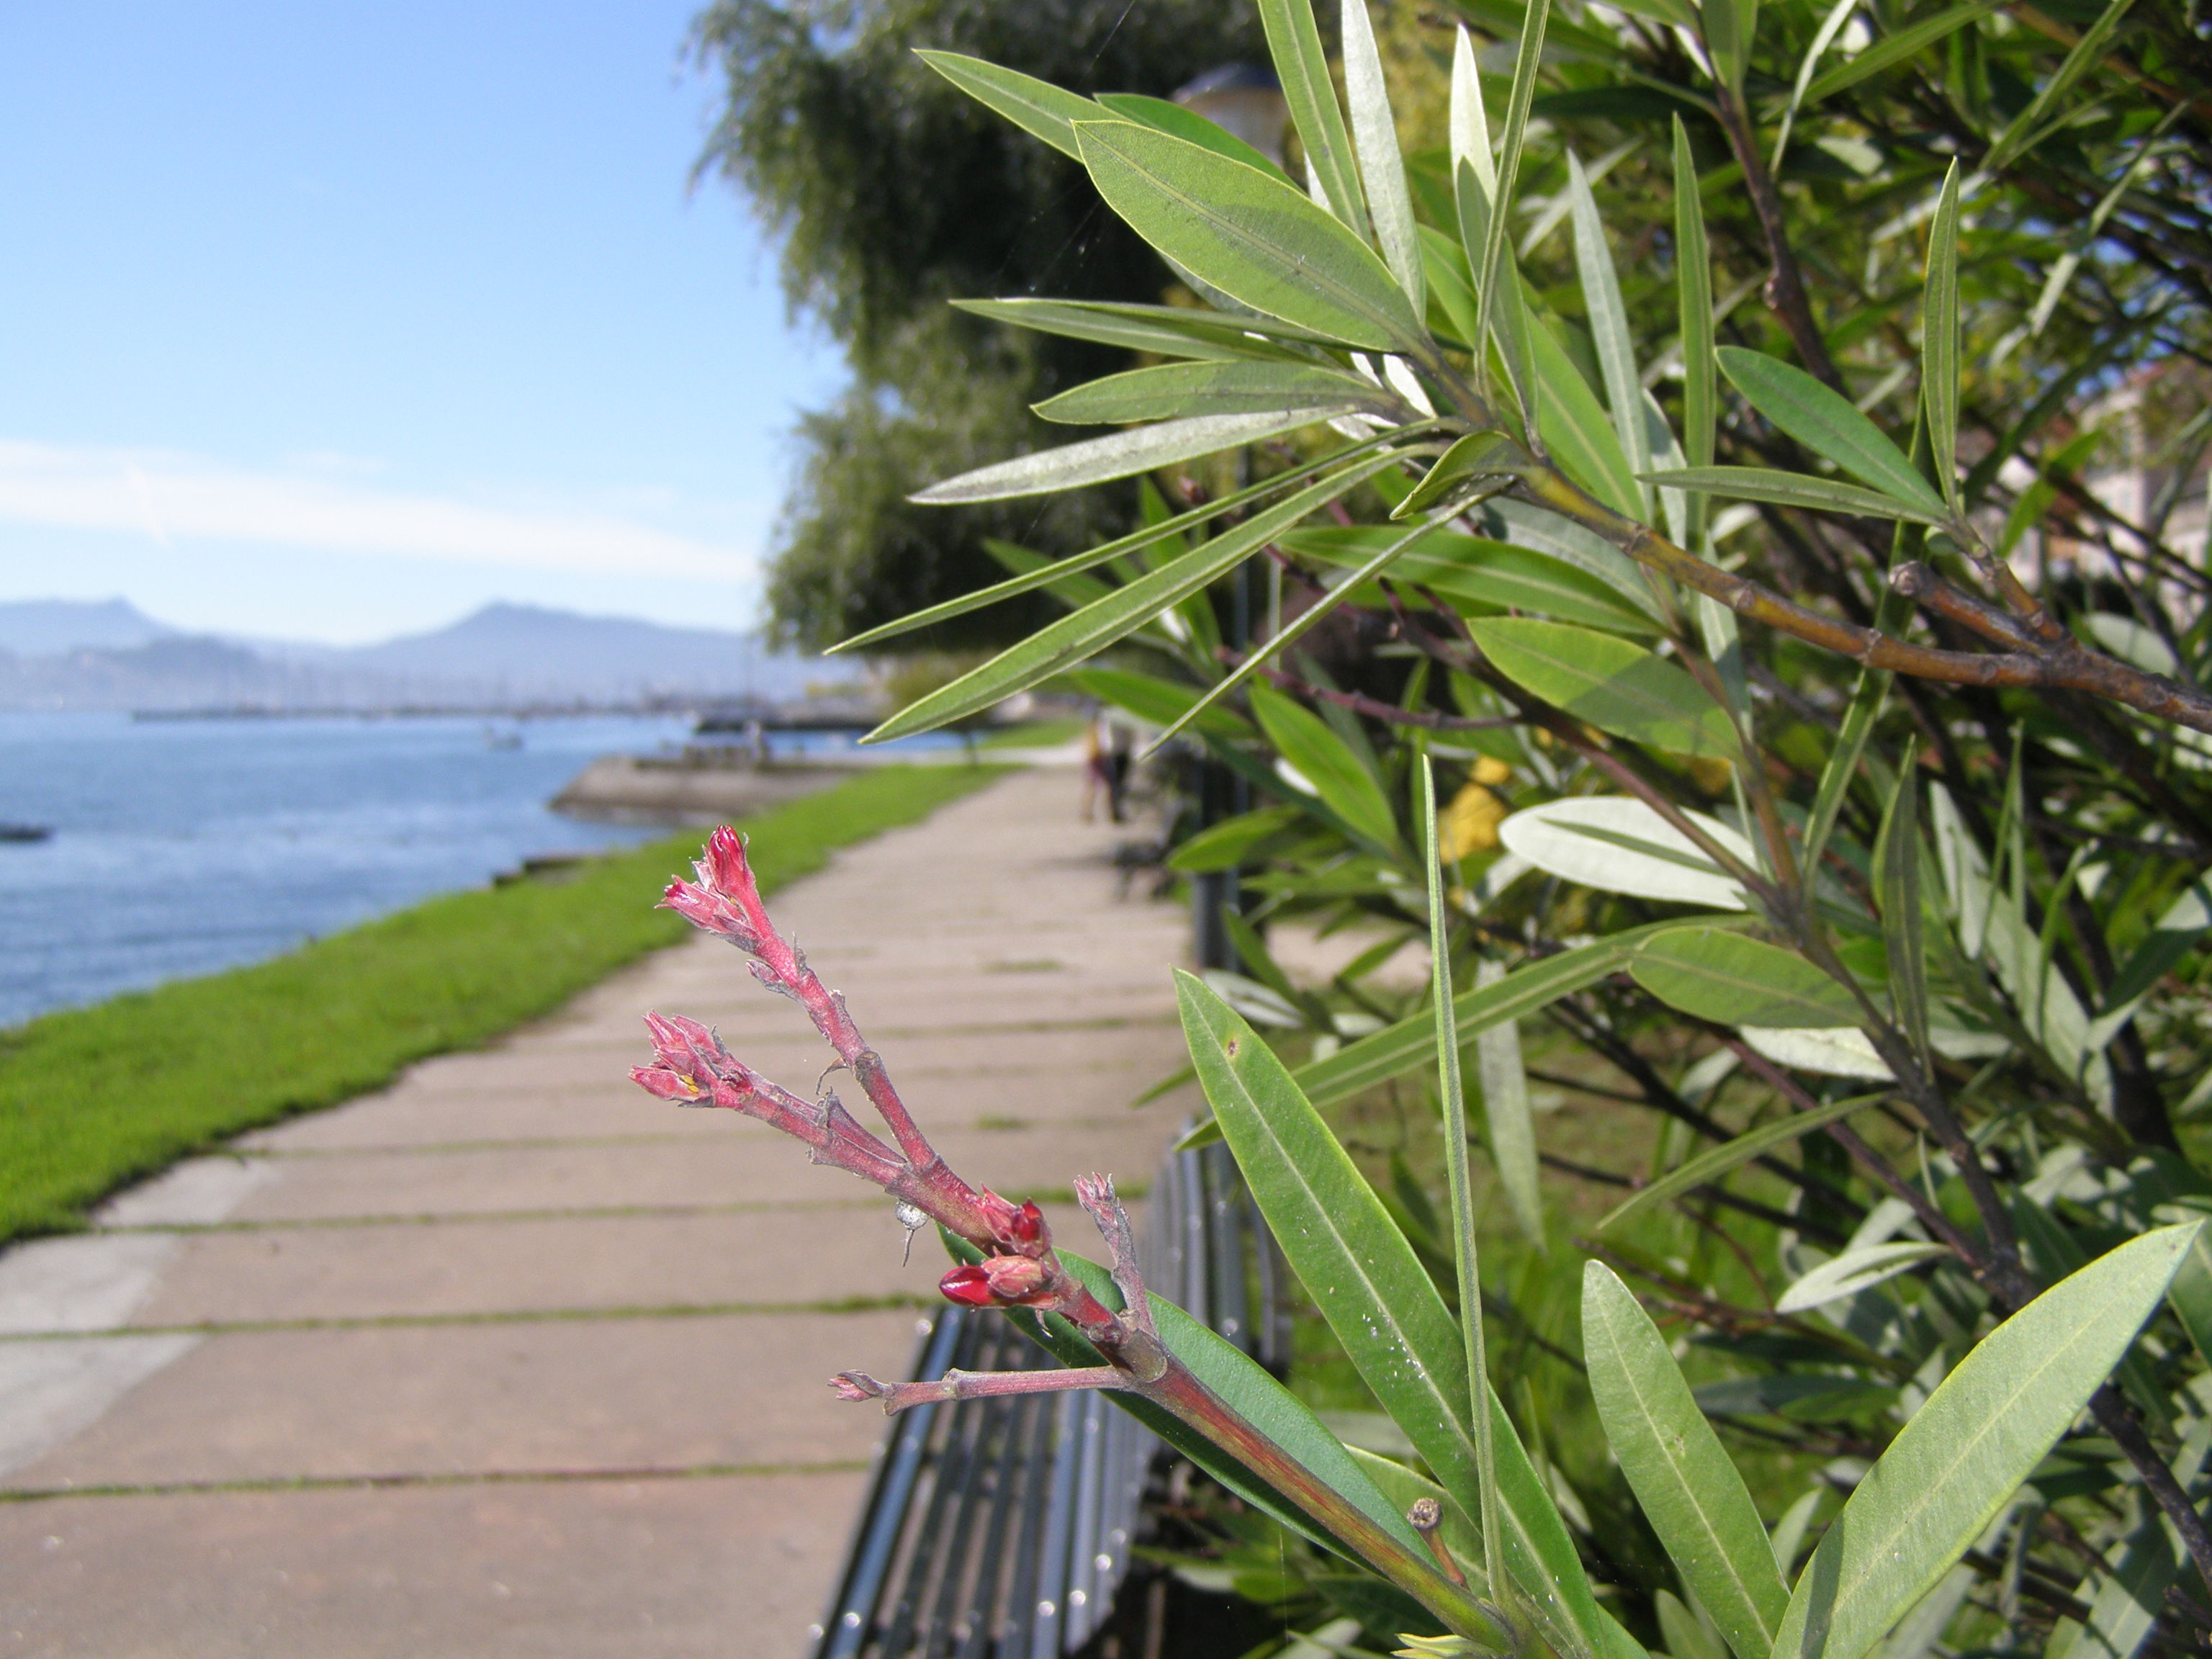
(510, 1357)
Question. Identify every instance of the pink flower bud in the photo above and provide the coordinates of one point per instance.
(858, 1385)
(969, 1287)
(669, 1086)
(997, 1215)
(1014, 1278)
(683, 1043)
(724, 866)
(1026, 1231)
(710, 911)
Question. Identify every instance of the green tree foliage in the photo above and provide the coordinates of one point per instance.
(893, 192)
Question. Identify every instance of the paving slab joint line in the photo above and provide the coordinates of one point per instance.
(922, 1033)
(895, 1302)
(1133, 1191)
(457, 1478)
(987, 1124)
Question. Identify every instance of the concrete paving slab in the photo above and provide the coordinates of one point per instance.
(51, 1390)
(520, 1397)
(199, 1190)
(949, 1099)
(746, 1163)
(1037, 1075)
(79, 1284)
(1093, 1066)
(457, 1267)
(696, 1567)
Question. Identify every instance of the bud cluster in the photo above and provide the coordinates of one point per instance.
(724, 900)
(1016, 1280)
(692, 1068)
(1018, 1266)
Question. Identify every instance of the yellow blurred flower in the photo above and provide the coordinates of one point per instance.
(1470, 823)
(1710, 773)
(1490, 769)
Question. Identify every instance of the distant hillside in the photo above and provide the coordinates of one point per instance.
(527, 648)
(63, 654)
(173, 671)
(42, 628)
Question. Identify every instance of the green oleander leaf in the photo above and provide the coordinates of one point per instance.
(1068, 641)
(1854, 1271)
(1510, 1127)
(1302, 66)
(1379, 1300)
(1710, 1166)
(1485, 576)
(1344, 785)
(1724, 976)
(1939, 358)
(1493, 268)
(1163, 331)
(1608, 326)
(1962, 1456)
(1730, 26)
(1052, 572)
(1188, 124)
(1897, 893)
(1576, 427)
(1156, 701)
(1256, 239)
(1035, 105)
(1478, 458)
(1620, 845)
(1688, 1488)
(1614, 685)
(1693, 278)
(1225, 845)
(1375, 141)
(1119, 455)
(1759, 483)
(1245, 1385)
(1827, 423)
(1173, 391)
(1898, 48)
(1411, 1044)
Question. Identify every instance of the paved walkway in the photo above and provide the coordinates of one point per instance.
(511, 1359)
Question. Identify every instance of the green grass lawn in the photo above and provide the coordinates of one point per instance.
(93, 1098)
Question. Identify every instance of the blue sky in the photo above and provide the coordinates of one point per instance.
(334, 323)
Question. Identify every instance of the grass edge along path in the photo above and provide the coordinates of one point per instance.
(94, 1098)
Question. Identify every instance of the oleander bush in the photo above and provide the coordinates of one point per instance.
(1663, 662)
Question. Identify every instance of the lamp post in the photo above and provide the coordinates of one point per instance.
(1246, 102)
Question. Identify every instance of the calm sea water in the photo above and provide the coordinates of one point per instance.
(184, 846)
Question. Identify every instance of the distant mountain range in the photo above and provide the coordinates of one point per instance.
(33, 628)
(60, 653)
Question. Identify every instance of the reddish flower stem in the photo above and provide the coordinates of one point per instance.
(971, 1385)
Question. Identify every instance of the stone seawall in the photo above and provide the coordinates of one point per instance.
(631, 789)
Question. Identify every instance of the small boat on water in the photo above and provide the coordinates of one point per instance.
(25, 831)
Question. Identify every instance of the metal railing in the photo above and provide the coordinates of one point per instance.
(1002, 1528)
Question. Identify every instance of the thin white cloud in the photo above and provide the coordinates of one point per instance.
(177, 499)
